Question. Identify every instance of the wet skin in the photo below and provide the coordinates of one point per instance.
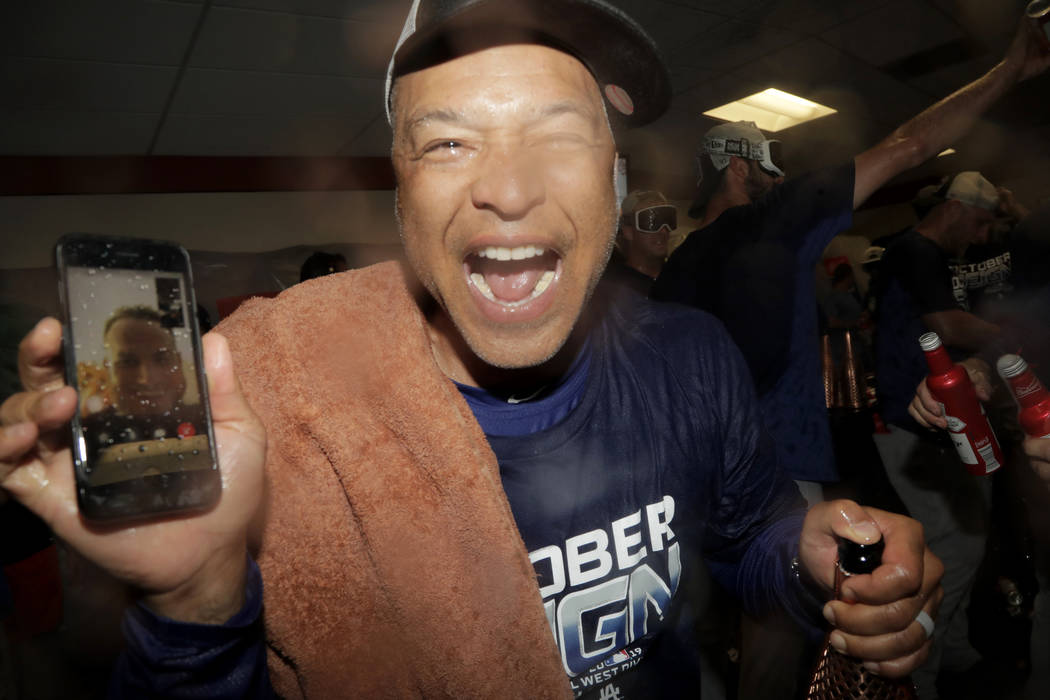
(507, 149)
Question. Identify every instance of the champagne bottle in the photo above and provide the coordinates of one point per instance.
(968, 426)
(1033, 400)
(841, 677)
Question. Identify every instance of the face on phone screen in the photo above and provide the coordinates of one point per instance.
(140, 409)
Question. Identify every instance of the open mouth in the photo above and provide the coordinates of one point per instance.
(512, 277)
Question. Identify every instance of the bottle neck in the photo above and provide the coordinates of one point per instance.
(939, 361)
(1027, 389)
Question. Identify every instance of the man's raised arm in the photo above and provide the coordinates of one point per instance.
(941, 125)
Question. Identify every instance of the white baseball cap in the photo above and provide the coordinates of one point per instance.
(972, 188)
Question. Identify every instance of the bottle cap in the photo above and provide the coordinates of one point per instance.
(855, 558)
(1010, 366)
(929, 341)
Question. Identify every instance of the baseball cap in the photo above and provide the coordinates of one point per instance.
(639, 199)
(968, 187)
(872, 254)
(742, 139)
(972, 188)
(623, 59)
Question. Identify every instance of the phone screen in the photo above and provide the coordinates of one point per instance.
(142, 433)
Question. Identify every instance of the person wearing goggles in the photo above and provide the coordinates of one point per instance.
(646, 223)
(751, 265)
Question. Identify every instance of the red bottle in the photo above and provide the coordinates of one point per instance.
(840, 677)
(967, 424)
(1033, 400)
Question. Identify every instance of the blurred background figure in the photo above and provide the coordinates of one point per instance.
(643, 241)
(842, 306)
(924, 293)
(320, 264)
(871, 263)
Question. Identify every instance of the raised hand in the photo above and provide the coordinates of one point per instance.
(1027, 53)
(190, 567)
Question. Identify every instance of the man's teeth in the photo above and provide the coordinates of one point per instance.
(541, 286)
(520, 253)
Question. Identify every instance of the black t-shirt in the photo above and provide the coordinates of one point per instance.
(918, 279)
(618, 272)
(985, 273)
(752, 267)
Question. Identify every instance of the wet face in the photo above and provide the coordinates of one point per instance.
(504, 162)
(145, 367)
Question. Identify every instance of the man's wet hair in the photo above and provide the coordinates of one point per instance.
(137, 313)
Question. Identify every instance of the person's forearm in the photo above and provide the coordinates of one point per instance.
(943, 124)
(166, 658)
(932, 130)
(211, 596)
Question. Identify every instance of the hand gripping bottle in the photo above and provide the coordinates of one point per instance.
(1038, 13)
(840, 677)
(1033, 400)
(968, 426)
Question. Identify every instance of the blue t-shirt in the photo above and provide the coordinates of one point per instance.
(660, 460)
(752, 267)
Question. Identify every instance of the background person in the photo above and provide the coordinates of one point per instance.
(750, 262)
(644, 239)
(922, 293)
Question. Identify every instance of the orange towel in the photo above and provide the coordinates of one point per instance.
(391, 561)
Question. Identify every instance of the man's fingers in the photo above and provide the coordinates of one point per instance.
(15, 441)
(228, 405)
(925, 409)
(40, 357)
(908, 567)
(224, 391)
(47, 490)
(895, 616)
(895, 653)
(49, 410)
(924, 417)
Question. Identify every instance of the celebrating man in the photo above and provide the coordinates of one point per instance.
(481, 482)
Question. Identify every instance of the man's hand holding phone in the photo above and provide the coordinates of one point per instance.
(188, 567)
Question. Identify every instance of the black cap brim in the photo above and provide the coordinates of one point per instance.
(622, 57)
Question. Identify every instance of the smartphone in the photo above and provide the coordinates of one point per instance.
(142, 442)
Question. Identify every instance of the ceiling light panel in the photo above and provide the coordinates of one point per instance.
(772, 110)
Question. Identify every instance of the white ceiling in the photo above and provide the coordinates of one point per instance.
(305, 77)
